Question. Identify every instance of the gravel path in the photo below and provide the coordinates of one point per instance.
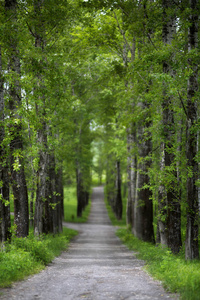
(96, 267)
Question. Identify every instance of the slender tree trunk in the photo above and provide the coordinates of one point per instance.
(47, 216)
(54, 198)
(41, 203)
(5, 222)
(41, 182)
(118, 197)
(110, 181)
(143, 208)
(60, 198)
(21, 212)
(131, 158)
(132, 175)
(60, 189)
(5, 206)
(169, 201)
(191, 245)
(80, 191)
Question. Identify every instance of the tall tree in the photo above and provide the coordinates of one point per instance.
(132, 174)
(191, 246)
(169, 202)
(42, 130)
(21, 213)
(5, 222)
(143, 207)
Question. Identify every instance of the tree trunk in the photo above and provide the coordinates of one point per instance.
(5, 206)
(21, 212)
(60, 198)
(54, 204)
(5, 222)
(143, 208)
(80, 191)
(4, 178)
(132, 174)
(191, 245)
(169, 201)
(118, 197)
(41, 203)
(110, 181)
(41, 182)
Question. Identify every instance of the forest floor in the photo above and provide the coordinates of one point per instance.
(95, 267)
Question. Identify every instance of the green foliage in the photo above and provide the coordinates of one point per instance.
(38, 248)
(26, 256)
(111, 214)
(176, 274)
(15, 265)
(70, 206)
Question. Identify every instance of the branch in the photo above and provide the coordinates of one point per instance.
(143, 79)
(149, 37)
(122, 33)
(182, 104)
(33, 34)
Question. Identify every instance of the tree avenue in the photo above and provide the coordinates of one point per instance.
(104, 86)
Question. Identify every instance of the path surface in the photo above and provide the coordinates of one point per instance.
(96, 267)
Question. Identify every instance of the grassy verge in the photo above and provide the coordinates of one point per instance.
(176, 274)
(26, 256)
(70, 206)
(112, 216)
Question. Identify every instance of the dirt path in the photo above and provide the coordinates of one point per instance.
(96, 267)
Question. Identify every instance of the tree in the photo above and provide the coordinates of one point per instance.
(191, 246)
(21, 213)
(169, 202)
(5, 222)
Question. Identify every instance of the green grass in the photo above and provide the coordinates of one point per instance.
(26, 256)
(177, 274)
(70, 206)
(112, 216)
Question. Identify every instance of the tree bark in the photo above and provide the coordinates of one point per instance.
(41, 182)
(132, 175)
(169, 201)
(143, 208)
(5, 222)
(21, 212)
(80, 191)
(60, 198)
(110, 181)
(191, 244)
(54, 198)
(41, 203)
(118, 197)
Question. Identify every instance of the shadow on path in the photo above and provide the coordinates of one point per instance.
(96, 267)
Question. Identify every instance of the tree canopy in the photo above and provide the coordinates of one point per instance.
(108, 86)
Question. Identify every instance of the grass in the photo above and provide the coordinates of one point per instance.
(112, 216)
(27, 256)
(177, 274)
(70, 206)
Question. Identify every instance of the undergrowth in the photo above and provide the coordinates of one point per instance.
(25, 256)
